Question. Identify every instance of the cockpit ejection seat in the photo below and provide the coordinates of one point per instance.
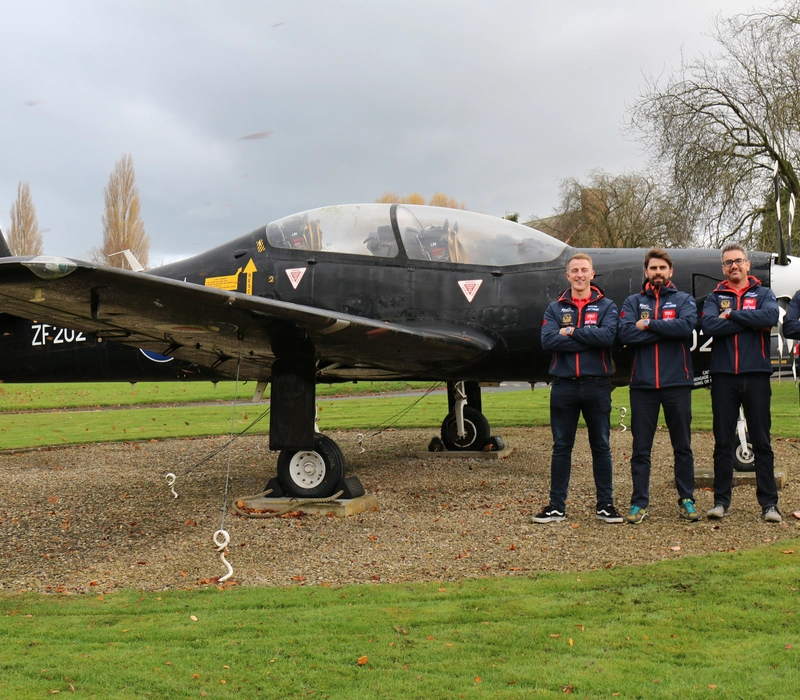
(296, 233)
(441, 243)
(382, 243)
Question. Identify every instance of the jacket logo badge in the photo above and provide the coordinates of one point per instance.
(590, 318)
(668, 313)
(724, 304)
(566, 319)
(749, 303)
(644, 314)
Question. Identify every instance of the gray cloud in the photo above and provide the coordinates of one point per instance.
(491, 103)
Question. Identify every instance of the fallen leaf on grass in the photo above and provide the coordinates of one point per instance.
(788, 551)
(478, 679)
(193, 618)
(676, 548)
(362, 660)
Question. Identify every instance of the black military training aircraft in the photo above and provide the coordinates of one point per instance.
(341, 293)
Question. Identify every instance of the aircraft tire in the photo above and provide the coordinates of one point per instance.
(740, 464)
(476, 425)
(312, 473)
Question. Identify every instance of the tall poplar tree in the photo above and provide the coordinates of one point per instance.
(24, 237)
(123, 228)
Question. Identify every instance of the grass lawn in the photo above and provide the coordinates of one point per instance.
(722, 626)
(144, 422)
(699, 627)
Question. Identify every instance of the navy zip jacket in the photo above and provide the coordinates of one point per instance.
(741, 342)
(791, 321)
(661, 353)
(587, 353)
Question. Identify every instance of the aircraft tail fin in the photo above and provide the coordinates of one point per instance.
(5, 251)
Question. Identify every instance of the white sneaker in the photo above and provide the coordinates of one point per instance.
(718, 511)
(771, 515)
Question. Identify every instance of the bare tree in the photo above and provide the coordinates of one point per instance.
(630, 211)
(123, 228)
(24, 237)
(721, 121)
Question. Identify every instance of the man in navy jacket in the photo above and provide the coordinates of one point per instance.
(791, 321)
(739, 315)
(658, 323)
(579, 328)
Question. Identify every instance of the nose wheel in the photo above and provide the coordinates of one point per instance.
(476, 431)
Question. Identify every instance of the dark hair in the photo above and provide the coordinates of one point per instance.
(659, 253)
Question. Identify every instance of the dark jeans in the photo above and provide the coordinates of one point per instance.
(752, 392)
(568, 399)
(645, 405)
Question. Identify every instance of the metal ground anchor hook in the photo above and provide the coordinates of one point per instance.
(360, 441)
(221, 540)
(622, 413)
(170, 482)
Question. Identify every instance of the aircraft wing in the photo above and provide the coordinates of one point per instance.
(214, 327)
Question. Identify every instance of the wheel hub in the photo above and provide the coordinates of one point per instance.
(307, 469)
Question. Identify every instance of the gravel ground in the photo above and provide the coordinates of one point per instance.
(95, 518)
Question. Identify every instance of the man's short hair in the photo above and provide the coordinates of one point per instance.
(581, 256)
(733, 246)
(658, 253)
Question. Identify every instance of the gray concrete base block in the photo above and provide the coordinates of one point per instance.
(467, 454)
(340, 507)
(704, 478)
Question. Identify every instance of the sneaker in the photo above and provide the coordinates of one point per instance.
(608, 514)
(636, 515)
(688, 511)
(549, 514)
(771, 514)
(718, 511)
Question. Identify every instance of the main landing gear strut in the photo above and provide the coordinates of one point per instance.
(311, 465)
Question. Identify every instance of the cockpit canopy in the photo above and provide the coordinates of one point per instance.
(426, 233)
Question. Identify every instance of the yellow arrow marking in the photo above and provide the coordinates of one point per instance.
(249, 269)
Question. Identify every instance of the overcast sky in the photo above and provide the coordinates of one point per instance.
(493, 103)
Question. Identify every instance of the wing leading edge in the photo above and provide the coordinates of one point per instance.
(214, 327)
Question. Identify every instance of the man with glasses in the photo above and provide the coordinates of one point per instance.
(739, 315)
